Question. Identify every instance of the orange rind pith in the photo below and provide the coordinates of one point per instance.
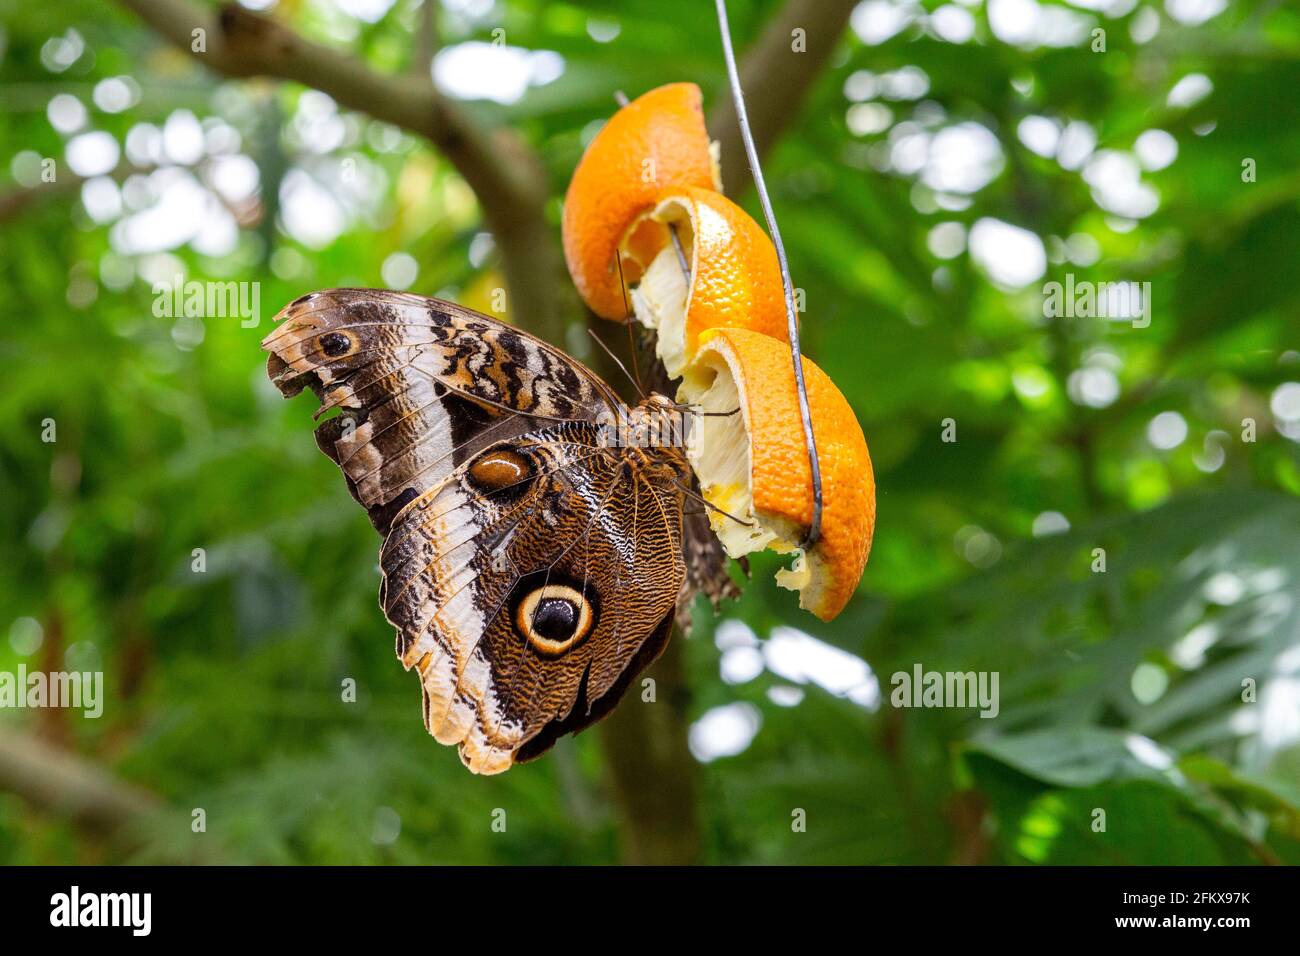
(753, 465)
(732, 278)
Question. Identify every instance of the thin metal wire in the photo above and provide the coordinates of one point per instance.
(792, 320)
(681, 253)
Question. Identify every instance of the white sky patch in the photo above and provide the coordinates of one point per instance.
(1279, 702)
(1144, 26)
(1285, 402)
(473, 10)
(93, 154)
(220, 137)
(480, 249)
(101, 198)
(1155, 149)
(1167, 431)
(1213, 451)
(1061, 27)
(1117, 187)
(947, 240)
(875, 21)
(316, 125)
(182, 138)
(1028, 24)
(172, 217)
(864, 119)
(218, 233)
(909, 148)
(309, 211)
(1014, 21)
(1040, 135)
(235, 177)
(740, 665)
(732, 632)
(116, 93)
(59, 53)
(1078, 140)
(1094, 386)
(1225, 588)
(1050, 523)
(783, 695)
(1190, 90)
(485, 71)
(66, 113)
(1148, 682)
(802, 659)
(905, 83)
(861, 85)
(724, 731)
(371, 11)
(400, 270)
(952, 23)
(144, 144)
(1194, 12)
(603, 29)
(962, 159)
(1010, 256)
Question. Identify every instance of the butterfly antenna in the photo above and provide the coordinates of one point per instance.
(792, 321)
(631, 341)
(635, 383)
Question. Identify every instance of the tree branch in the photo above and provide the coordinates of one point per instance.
(651, 770)
(426, 38)
(502, 170)
(775, 78)
(62, 783)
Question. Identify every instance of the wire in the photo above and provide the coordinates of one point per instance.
(792, 320)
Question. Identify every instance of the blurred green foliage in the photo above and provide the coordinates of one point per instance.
(1121, 690)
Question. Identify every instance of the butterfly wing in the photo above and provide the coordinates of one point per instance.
(529, 571)
(422, 384)
(528, 606)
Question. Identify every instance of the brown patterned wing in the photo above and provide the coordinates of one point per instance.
(531, 571)
(422, 385)
(530, 589)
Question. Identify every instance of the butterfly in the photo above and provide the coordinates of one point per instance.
(534, 553)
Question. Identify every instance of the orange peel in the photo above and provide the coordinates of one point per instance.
(754, 465)
(656, 142)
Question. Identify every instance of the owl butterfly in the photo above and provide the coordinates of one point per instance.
(531, 566)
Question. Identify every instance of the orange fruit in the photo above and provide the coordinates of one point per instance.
(657, 141)
(734, 278)
(754, 464)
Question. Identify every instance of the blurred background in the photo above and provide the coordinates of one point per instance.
(1115, 530)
